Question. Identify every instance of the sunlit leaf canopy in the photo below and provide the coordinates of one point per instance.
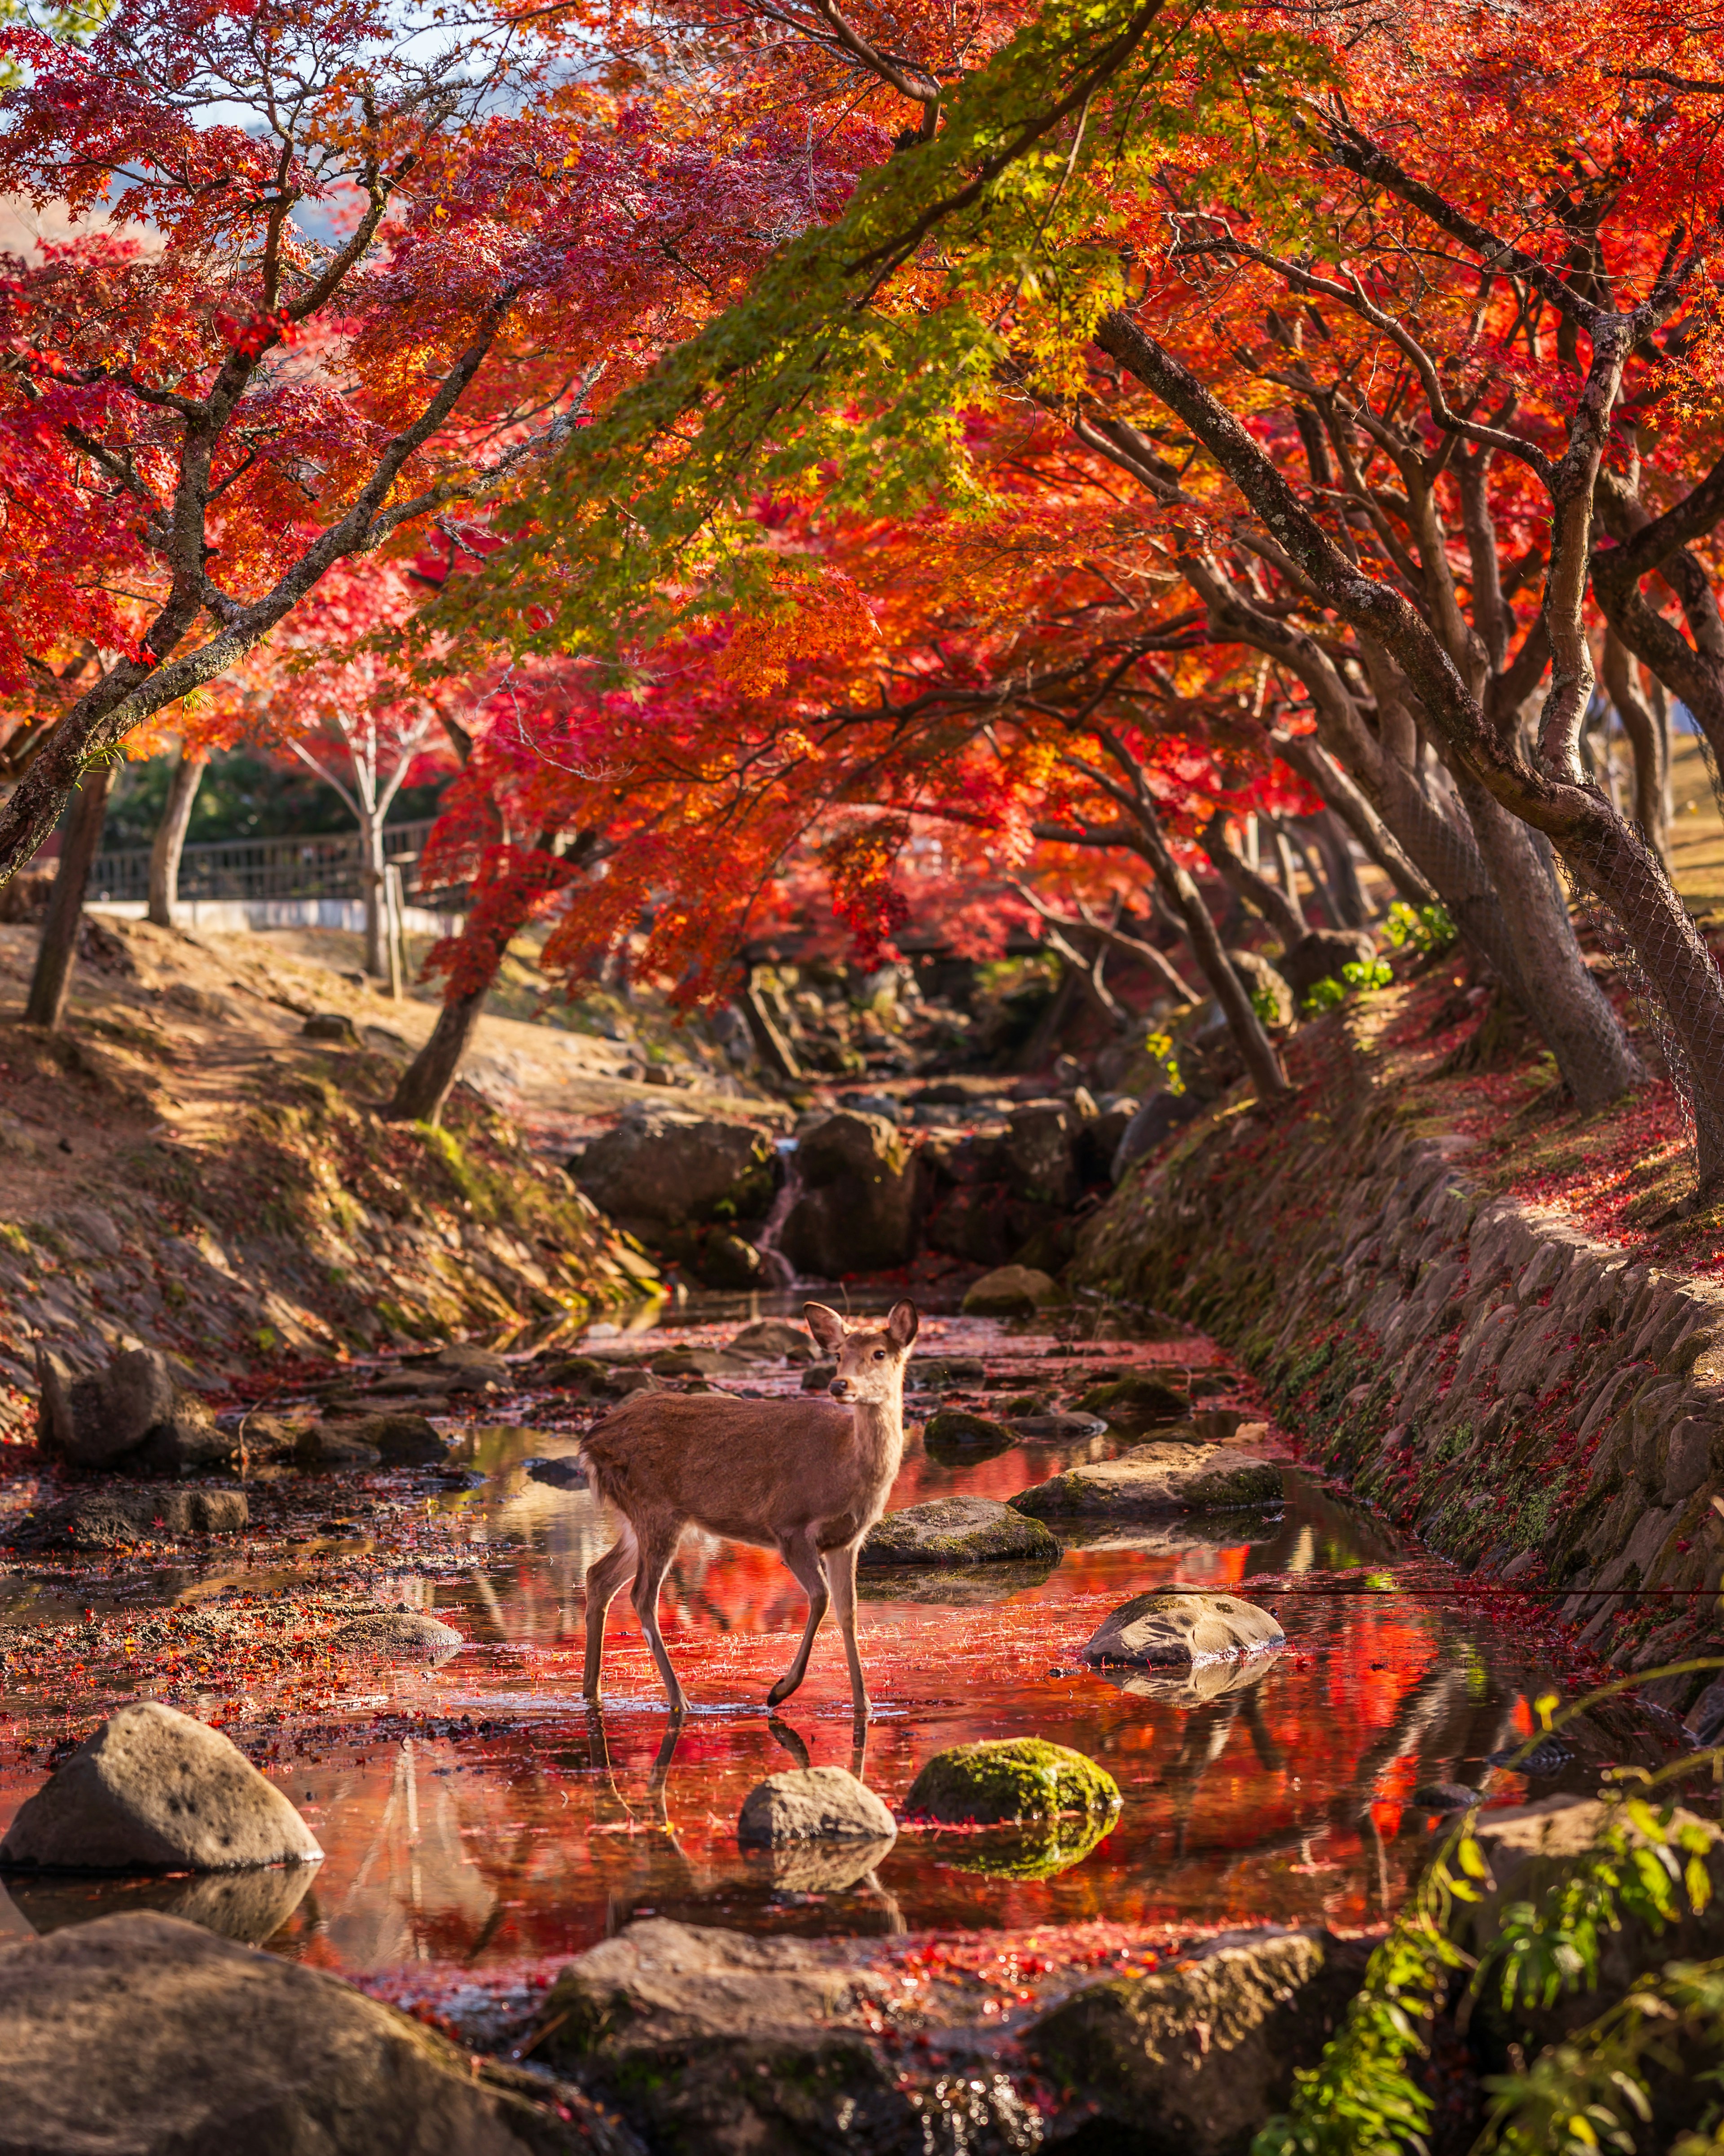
(869, 349)
(1356, 233)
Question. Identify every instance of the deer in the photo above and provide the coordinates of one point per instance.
(807, 1477)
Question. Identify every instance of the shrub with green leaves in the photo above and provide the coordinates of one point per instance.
(1424, 929)
(1587, 2093)
(1358, 977)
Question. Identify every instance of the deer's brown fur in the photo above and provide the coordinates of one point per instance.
(807, 1477)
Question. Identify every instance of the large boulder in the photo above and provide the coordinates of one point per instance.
(400, 1439)
(658, 1986)
(974, 1222)
(1155, 1478)
(1011, 1292)
(152, 1790)
(1173, 1630)
(813, 1804)
(118, 1517)
(135, 1411)
(953, 1531)
(1195, 2058)
(773, 1339)
(143, 2035)
(1041, 1160)
(856, 1210)
(666, 1167)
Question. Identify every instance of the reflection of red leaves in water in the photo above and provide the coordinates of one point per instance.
(496, 1839)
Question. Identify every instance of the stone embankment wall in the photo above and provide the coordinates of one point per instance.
(1532, 1403)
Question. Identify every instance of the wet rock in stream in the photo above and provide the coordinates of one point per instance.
(813, 1804)
(142, 2033)
(955, 1434)
(1155, 1478)
(413, 1632)
(1012, 1292)
(958, 1531)
(1136, 1401)
(1059, 1428)
(1164, 1628)
(154, 1790)
(1009, 1779)
(568, 1473)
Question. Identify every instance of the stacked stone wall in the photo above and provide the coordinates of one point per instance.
(1535, 1404)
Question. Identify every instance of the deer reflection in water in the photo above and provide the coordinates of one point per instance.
(775, 1885)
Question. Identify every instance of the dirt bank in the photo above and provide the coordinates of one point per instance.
(183, 1167)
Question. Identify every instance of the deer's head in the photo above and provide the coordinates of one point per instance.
(870, 1357)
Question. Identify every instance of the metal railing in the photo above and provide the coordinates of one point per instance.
(327, 865)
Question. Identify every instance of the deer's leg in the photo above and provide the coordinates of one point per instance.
(605, 1577)
(841, 1571)
(657, 1546)
(803, 1559)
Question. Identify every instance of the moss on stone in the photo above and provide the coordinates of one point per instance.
(1143, 1399)
(1011, 1780)
(955, 1531)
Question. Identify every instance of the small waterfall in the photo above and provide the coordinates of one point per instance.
(779, 1271)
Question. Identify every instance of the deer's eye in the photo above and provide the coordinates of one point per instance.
(879, 1354)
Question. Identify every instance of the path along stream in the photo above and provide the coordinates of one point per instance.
(479, 1825)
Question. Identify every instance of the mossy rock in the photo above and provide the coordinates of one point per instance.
(954, 1436)
(1152, 1479)
(1012, 1292)
(958, 1531)
(1007, 1780)
(1138, 1399)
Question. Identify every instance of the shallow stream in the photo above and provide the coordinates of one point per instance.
(478, 1823)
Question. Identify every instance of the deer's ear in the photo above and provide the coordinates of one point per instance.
(826, 1325)
(902, 1324)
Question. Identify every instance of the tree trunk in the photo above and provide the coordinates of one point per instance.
(1305, 754)
(1343, 876)
(1596, 1057)
(1280, 912)
(57, 951)
(1315, 867)
(1262, 1064)
(1650, 741)
(170, 841)
(426, 1081)
(376, 956)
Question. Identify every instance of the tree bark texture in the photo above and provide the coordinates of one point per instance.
(1263, 1066)
(1600, 849)
(1648, 732)
(57, 951)
(425, 1084)
(1276, 907)
(170, 841)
